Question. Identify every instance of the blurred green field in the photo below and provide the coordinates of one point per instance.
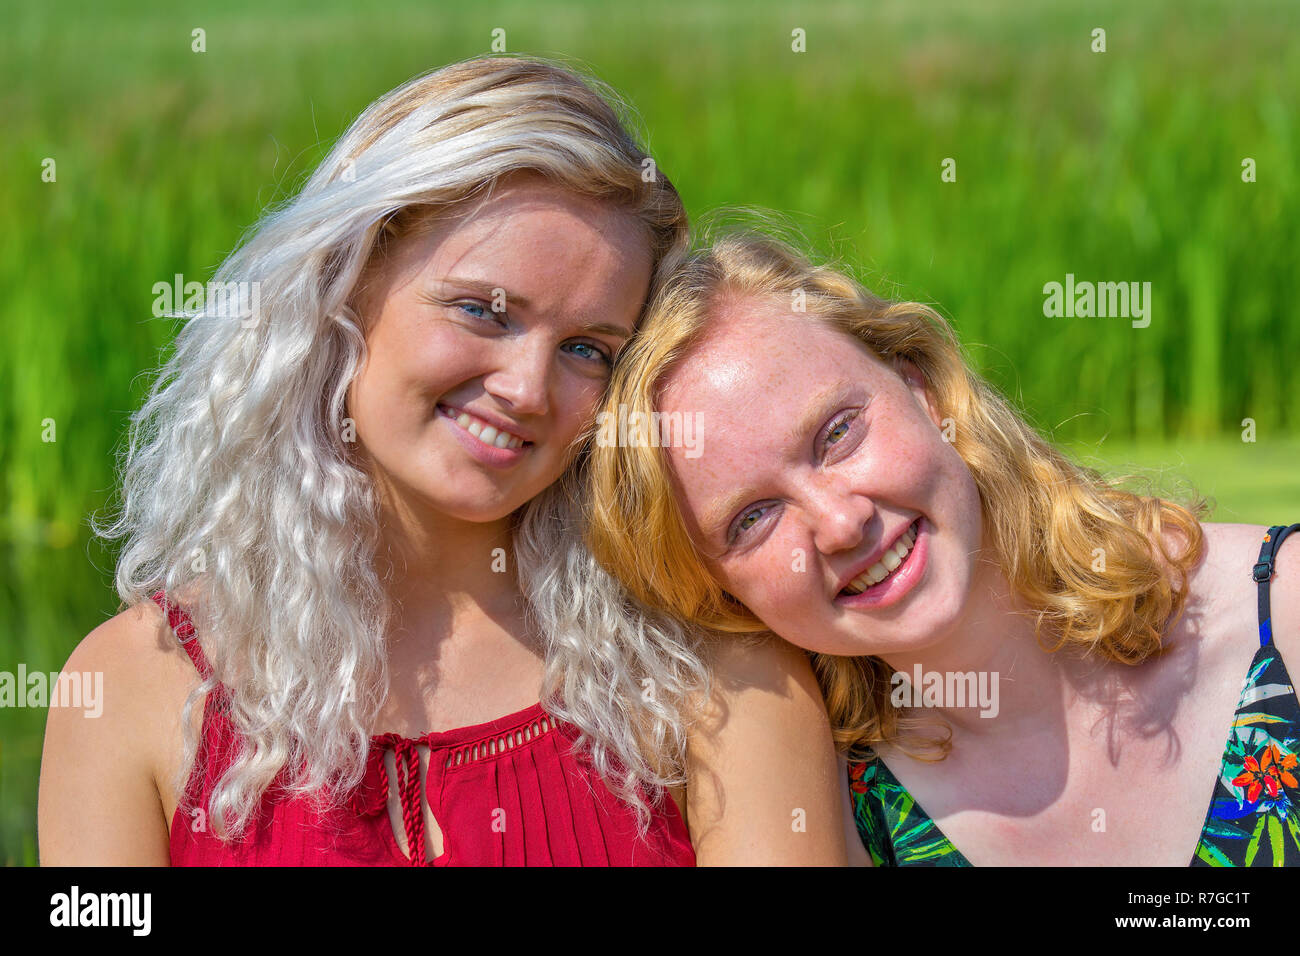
(1116, 166)
(1246, 483)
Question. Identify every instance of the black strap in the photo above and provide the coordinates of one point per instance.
(1263, 573)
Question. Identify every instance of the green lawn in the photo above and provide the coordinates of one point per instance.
(1255, 483)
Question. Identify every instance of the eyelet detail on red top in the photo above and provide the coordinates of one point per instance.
(370, 798)
(492, 746)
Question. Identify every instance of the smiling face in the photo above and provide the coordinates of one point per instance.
(489, 343)
(818, 459)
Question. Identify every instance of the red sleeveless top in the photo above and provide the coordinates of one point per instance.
(510, 792)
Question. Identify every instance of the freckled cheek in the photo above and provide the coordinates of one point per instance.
(971, 506)
(919, 469)
(772, 589)
(951, 469)
(952, 501)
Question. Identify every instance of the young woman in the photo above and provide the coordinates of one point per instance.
(1048, 665)
(347, 495)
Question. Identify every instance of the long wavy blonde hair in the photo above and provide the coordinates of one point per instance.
(241, 496)
(1042, 514)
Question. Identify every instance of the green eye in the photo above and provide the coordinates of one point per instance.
(746, 522)
(840, 429)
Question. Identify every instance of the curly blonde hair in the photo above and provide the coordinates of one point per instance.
(241, 497)
(1043, 515)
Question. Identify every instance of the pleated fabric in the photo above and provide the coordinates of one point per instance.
(509, 792)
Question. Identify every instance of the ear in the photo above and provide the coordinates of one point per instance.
(915, 381)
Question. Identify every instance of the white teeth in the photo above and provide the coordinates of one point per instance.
(488, 434)
(888, 564)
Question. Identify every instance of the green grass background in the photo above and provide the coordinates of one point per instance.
(1121, 166)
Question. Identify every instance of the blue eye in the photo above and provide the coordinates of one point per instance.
(591, 352)
(480, 312)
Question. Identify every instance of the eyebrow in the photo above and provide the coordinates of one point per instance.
(488, 290)
(817, 411)
(820, 406)
(485, 289)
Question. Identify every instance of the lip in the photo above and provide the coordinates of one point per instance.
(895, 587)
(500, 424)
(486, 454)
(874, 557)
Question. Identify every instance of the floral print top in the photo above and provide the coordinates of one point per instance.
(1254, 814)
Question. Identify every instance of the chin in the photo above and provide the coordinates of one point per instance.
(476, 512)
(473, 502)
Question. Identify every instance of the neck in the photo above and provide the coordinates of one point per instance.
(441, 571)
(1019, 689)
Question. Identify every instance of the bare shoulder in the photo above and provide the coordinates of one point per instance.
(748, 662)
(765, 786)
(1224, 595)
(99, 800)
(143, 662)
(761, 684)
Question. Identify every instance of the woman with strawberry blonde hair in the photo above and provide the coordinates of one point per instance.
(1051, 666)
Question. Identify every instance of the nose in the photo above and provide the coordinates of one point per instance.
(522, 379)
(839, 516)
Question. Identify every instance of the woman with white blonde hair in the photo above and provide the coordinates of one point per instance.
(350, 494)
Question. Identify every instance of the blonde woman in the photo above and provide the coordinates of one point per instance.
(346, 505)
(1030, 665)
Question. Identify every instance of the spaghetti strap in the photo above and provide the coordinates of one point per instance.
(183, 628)
(1263, 573)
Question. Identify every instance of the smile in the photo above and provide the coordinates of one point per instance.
(897, 573)
(890, 562)
(487, 434)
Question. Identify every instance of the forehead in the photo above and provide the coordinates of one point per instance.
(543, 243)
(758, 360)
(753, 382)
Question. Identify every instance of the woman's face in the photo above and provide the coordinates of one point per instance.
(817, 458)
(489, 344)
